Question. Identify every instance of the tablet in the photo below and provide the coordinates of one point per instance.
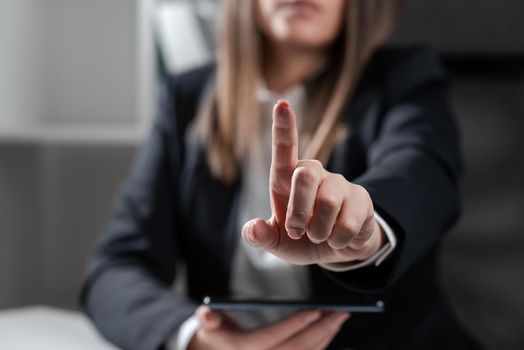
(364, 305)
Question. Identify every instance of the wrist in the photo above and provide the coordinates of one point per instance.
(378, 247)
(380, 235)
(377, 240)
(195, 342)
(179, 340)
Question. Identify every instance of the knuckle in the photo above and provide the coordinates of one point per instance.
(361, 192)
(349, 227)
(314, 163)
(358, 188)
(305, 176)
(279, 184)
(339, 178)
(327, 202)
(367, 198)
(281, 141)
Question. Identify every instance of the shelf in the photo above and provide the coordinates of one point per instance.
(81, 134)
(60, 71)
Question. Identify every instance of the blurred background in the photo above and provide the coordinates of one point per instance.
(77, 92)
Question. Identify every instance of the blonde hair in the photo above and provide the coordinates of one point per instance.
(230, 116)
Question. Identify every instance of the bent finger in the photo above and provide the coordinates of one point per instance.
(305, 182)
(328, 202)
(353, 215)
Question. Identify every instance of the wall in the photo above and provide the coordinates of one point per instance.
(65, 67)
(68, 61)
(482, 260)
(54, 201)
(21, 60)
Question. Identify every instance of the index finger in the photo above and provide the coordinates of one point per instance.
(284, 154)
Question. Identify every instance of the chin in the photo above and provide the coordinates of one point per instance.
(301, 35)
(304, 41)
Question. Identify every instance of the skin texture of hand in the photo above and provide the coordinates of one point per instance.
(318, 217)
(307, 330)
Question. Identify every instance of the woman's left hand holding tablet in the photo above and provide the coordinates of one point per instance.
(318, 217)
(305, 330)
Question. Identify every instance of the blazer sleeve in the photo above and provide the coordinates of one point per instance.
(127, 292)
(414, 169)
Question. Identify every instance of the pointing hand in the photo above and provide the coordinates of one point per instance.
(318, 217)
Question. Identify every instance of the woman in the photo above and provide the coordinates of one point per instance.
(360, 192)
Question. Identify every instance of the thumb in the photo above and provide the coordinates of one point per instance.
(262, 234)
(208, 319)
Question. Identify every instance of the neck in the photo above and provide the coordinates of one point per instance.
(286, 66)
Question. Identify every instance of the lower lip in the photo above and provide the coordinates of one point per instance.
(301, 8)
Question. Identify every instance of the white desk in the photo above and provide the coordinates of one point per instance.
(42, 327)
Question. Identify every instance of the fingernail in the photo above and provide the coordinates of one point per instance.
(282, 109)
(343, 317)
(295, 233)
(248, 234)
(251, 237)
(313, 316)
(315, 241)
(283, 103)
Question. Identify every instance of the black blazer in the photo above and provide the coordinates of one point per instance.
(403, 149)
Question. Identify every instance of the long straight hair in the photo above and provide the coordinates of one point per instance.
(230, 116)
